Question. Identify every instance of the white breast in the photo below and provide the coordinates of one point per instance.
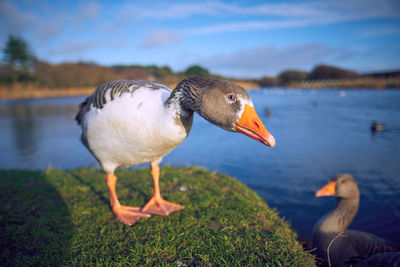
(133, 129)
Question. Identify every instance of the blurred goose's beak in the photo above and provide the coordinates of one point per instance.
(328, 190)
(251, 125)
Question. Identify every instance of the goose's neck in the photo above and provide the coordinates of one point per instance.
(339, 219)
(186, 94)
(183, 102)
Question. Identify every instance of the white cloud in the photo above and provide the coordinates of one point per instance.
(76, 47)
(272, 15)
(284, 15)
(270, 60)
(249, 25)
(161, 38)
(170, 10)
(381, 31)
(49, 29)
(121, 25)
(14, 21)
(89, 10)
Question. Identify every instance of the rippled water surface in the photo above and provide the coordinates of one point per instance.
(318, 133)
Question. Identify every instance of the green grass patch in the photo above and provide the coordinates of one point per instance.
(59, 217)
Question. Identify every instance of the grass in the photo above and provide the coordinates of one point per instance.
(20, 92)
(56, 217)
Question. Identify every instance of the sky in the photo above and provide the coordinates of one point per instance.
(243, 39)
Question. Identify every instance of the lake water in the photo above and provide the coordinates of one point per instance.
(318, 134)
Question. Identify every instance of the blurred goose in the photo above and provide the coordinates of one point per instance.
(330, 236)
(126, 123)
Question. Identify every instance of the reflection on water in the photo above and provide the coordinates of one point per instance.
(23, 130)
(41, 133)
(318, 133)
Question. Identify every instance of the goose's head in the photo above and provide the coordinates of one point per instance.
(341, 186)
(229, 106)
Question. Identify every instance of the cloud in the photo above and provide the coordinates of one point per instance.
(381, 31)
(49, 29)
(161, 38)
(283, 15)
(180, 11)
(89, 10)
(14, 21)
(249, 25)
(270, 60)
(216, 8)
(76, 47)
(70, 30)
(272, 15)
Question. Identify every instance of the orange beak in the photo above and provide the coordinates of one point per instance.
(251, 125)
(328, 190)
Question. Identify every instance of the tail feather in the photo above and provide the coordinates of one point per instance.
(82, 110)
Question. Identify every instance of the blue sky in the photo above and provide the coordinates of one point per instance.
(232, 38)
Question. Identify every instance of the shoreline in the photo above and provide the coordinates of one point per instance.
(29, 92)
(13, 93)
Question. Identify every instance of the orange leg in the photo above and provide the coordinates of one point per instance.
(157, 205)
(127, 215)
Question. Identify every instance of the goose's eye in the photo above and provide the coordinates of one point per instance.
(231, 98)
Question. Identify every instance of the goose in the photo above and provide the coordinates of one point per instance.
(333, 242)
(129, 122)
(377, 127)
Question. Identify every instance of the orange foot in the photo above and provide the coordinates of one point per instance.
(160, 206)
(129, 215)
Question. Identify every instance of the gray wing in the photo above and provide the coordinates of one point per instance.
(366, 244)
(113, 88)
(351, 247)
(388, 259)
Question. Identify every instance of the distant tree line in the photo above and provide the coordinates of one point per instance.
(20, 65)
(322, 73)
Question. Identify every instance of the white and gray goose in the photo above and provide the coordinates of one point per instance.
(126, 123)
(335, 245)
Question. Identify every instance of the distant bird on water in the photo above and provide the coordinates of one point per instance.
(268, 112)
(126, 123)
(377, 127)
(335, 244)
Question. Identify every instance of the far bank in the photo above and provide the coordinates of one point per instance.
(26, 91)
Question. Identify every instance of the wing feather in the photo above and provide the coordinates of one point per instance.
(112, 89)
